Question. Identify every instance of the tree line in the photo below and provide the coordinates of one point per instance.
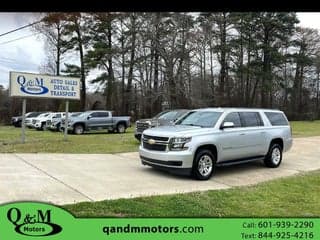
(145, 62)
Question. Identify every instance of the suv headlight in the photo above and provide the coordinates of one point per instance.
(178, 143)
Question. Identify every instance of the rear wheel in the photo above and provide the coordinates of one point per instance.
(204, 164)
(274, 156)
(41, 127)
(78, 129)
(18, 124)
(121, 128)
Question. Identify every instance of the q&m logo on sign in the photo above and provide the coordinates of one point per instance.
(34, 223)
(44, 86)
(32, 86)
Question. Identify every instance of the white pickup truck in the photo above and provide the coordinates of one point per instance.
(43, 121)
(206, 138)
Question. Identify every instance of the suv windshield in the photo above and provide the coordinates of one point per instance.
(200, 118)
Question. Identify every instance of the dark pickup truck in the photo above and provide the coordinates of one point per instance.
(167, 117)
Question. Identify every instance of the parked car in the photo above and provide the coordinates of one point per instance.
(206, 138)
(56, 121)
(44, 122)
(28, 120)
(164, 118)
(52, 117)
(17, 120)
(36, 122)
(97, 120)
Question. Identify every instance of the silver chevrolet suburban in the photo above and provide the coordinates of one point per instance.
(210, 137)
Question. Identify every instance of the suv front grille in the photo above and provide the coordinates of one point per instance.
(154, 147)
(147, 137)
(155, 143)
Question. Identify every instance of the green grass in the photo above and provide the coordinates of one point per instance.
(297, 196)
(98, 142)
(305, 128)
(53, 142)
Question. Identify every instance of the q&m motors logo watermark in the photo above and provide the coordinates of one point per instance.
(37, 222)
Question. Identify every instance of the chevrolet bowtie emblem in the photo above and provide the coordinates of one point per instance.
(151, 141)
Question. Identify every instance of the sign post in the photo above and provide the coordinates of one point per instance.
(66, 121)
(23, 124)
(29, 85)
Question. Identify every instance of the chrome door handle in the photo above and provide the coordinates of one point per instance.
(241, 134)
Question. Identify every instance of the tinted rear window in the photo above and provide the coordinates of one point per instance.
(276, 118)
(99, 114)
(251, 119)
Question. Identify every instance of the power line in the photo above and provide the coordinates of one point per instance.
(19, 38)
(17, 29)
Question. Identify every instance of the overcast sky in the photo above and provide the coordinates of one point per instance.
(27, 53)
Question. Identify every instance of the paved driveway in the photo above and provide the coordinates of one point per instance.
(71, 178)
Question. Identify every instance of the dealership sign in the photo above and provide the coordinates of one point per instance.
(44, 86)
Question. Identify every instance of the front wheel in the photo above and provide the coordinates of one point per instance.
(58, 127)
(78, 129)
(274, 156)
(18, 124)
(121, 128)
(204, 164)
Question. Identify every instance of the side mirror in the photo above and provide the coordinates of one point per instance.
(227, 125)
(88, 117)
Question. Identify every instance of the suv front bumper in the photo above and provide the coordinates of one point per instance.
(173, 161)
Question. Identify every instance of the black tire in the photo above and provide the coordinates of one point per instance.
(138, 137)
(41, 127)
(274, 156)
(58, 127)
(78, 129)
(204, 164)
(121, 128)
(18, 124)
